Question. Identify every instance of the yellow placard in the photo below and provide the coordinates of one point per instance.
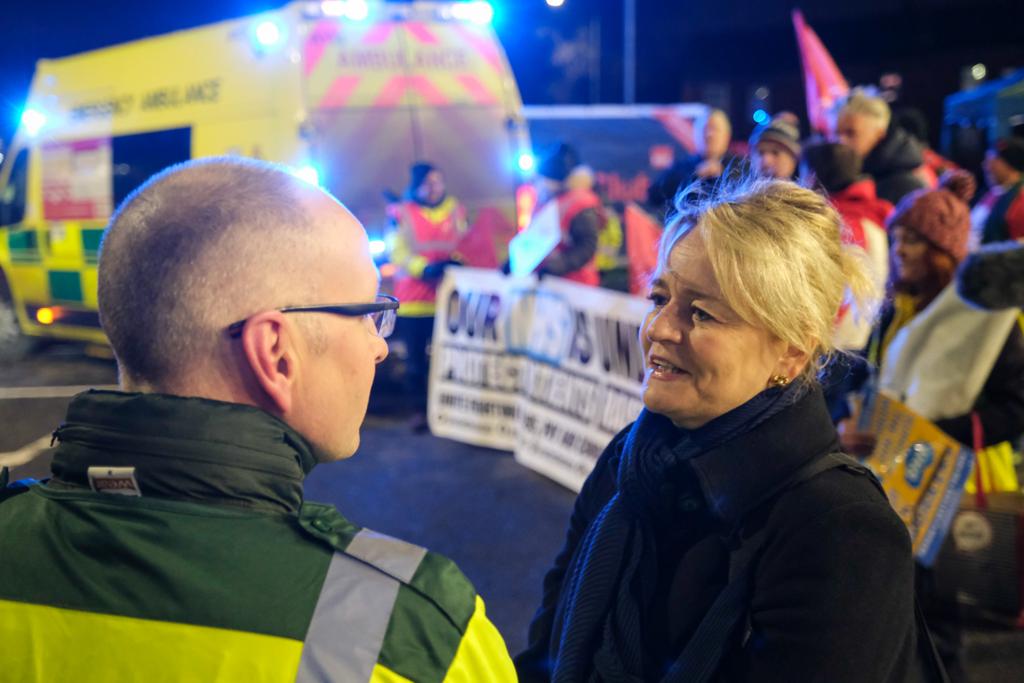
(922, 469)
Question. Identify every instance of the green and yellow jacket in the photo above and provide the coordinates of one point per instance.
(173, 543)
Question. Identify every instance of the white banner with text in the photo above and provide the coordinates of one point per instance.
(549, 370)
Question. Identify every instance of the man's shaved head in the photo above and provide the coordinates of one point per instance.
(193, 249)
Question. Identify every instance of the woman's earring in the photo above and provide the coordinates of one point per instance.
(778, 381)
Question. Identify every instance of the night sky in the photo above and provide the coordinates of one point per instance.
(688, 50)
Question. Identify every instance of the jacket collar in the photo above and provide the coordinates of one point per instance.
(739, 475)
(185, 448)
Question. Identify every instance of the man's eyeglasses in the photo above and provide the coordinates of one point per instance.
(381, 311)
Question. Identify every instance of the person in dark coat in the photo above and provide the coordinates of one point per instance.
(891, 156)
(712, 161)
(719, 537)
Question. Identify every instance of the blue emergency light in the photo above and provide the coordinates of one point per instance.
(268, 33)
(308, 173)
(475, 11)
(32, 121)
(526, 162)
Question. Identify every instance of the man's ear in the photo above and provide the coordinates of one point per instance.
(269, 346)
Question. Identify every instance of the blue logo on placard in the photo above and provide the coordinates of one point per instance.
(919, 457)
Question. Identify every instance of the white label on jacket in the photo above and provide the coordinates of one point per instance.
(116, 480)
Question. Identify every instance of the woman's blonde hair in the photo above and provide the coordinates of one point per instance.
(777, 252)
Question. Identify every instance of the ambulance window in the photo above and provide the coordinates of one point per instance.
(12, 206)
(137, 157)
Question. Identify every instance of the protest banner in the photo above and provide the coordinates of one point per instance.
(922, 469)
(550, 371)
(474, 380)
(581, 377)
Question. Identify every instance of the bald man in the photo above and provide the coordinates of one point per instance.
(173, 541)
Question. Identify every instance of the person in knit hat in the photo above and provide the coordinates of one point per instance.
(999, 215)
(929, 231)
(775, 149)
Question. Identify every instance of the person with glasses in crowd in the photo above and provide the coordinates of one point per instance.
(242, 306)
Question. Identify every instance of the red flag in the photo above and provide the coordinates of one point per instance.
(485, 243)
(822, 79)
(642, 236)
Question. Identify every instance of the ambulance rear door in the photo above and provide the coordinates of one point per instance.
(392, 91)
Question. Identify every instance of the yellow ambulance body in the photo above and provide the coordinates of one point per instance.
(347, 101)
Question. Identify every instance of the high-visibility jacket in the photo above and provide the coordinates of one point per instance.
(217, 570)
(424, 235)
(570, 205)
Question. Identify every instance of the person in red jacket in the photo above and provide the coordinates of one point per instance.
(581, 217)
(835, 169)
(429, 226)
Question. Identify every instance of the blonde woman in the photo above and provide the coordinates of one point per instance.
(721, 536)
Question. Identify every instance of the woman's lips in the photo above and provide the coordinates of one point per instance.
(663, 369)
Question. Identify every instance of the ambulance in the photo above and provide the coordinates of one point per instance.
(347, 93)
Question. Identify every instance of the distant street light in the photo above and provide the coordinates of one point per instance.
(555, 3)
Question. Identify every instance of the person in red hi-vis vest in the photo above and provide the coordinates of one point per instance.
(581, 217)
(429, 226)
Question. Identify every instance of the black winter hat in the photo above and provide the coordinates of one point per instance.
(417, 174)
(835, 165)
(781, 131)
(558, 162)
(1011, 150)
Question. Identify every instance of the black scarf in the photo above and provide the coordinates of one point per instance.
(597, 633)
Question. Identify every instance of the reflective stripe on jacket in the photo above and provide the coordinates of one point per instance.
(218, 570)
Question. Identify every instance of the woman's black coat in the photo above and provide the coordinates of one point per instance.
(833, 589)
